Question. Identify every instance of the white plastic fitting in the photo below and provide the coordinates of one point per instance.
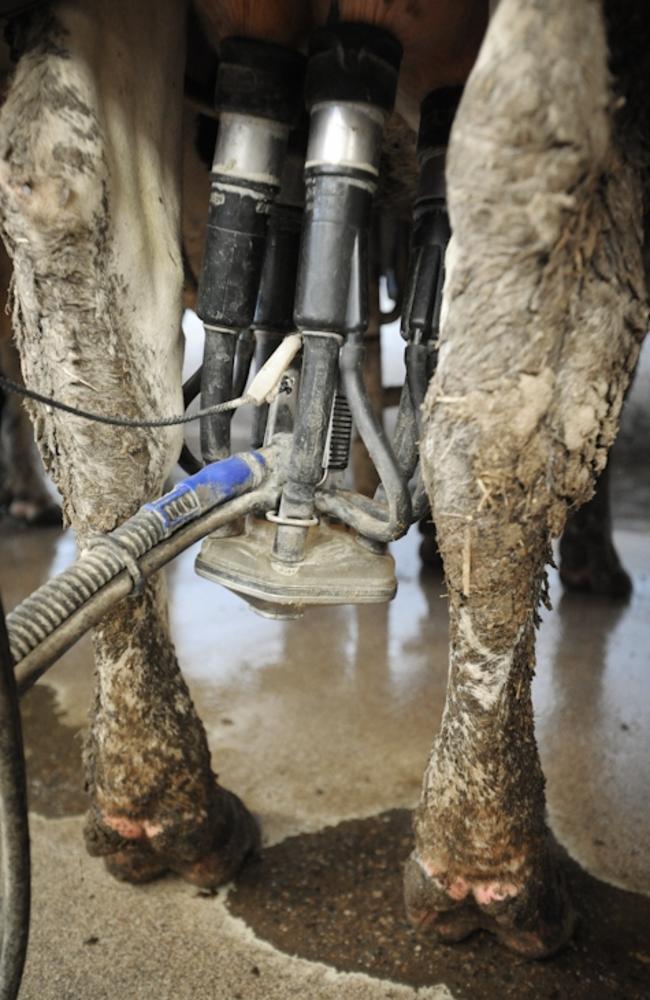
(264, 387)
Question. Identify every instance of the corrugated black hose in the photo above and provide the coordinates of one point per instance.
(14, 830)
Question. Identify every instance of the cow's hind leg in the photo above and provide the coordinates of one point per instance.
(546, 311)
(89, 176)
(588, 559)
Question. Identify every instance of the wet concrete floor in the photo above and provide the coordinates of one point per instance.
(315, 722)
(351, 916)
(323, 726)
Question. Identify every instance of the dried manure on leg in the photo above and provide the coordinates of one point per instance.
(90, 212)
(545, 311)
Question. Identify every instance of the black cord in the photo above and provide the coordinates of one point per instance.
(21, 390)
(14, 829)
(188, 461)
(192, 387)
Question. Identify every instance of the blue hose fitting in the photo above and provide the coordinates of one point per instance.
(213, 485)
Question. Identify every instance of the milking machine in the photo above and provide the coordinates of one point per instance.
(285, 279)
(282, 562)
(259, 98)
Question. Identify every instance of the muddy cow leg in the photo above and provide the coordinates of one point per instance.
(22, 487)
(546, 308)
(589, 562)
(89, 175)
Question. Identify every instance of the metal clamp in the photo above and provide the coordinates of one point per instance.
(293, 522)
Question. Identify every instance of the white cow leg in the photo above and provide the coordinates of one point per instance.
(546, 309)
(89, 197)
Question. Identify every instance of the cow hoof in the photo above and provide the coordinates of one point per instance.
(35, 513)
(594, 568)
(534, 920)
(429, 554)
(138, 851)
(236, 838)
(135, 863)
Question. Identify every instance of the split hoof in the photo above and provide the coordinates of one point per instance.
(605, 581)
(236, 838)
(592, 565)
(135, 863)
(207, 855)
(534, 920)
(35, 513)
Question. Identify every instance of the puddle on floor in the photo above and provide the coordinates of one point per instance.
(336, 897)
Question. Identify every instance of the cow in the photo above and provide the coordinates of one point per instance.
(24, 494)
(545, 309)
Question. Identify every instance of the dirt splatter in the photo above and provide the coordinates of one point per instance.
(336, 897)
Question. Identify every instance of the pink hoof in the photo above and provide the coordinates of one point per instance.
(206, 853)
(533, 918)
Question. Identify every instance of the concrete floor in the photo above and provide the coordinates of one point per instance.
(314, 722)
